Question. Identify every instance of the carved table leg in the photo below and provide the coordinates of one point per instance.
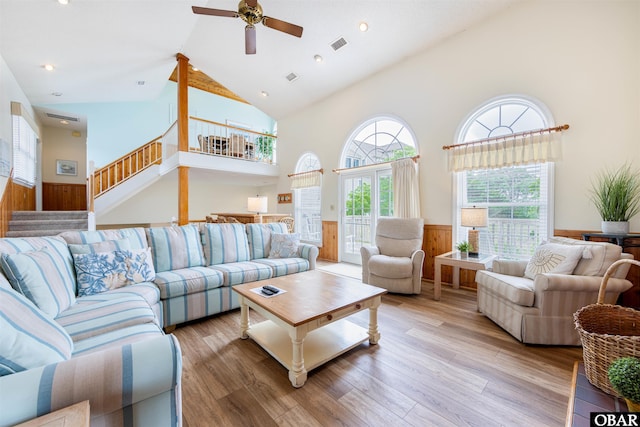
(374, 334)
(244, 319)
(297, 373)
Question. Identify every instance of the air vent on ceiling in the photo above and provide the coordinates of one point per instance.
(292, 77)
(59, 117)
(341, 42)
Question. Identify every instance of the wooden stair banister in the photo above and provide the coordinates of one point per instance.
(127, 166)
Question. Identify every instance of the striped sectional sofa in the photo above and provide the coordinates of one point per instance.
(82, 314)
(537, 307)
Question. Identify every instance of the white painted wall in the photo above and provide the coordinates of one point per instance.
(581, 59)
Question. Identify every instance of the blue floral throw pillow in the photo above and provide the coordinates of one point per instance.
(102, 271)
(284, 245)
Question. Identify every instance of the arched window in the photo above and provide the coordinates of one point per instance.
(518, 197)
(307, 206)
(367, 192)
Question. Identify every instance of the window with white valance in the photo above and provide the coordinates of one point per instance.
(510, 173)
(306, 184)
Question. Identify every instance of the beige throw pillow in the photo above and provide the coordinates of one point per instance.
(553, 258)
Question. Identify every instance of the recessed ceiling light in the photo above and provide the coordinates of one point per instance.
(264, 93)
(63, 1)
(56, 93)
(317, 58)
(48, 67)
(64, 122)
(363, 26)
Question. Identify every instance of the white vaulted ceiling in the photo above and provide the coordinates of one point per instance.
(102, 49)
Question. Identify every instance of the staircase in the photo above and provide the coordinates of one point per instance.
(45, 223)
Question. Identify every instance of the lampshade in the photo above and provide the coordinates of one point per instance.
(473, 217)
(257, 204)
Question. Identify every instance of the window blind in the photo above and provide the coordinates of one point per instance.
(24, 152)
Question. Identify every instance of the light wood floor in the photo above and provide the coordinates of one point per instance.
(438, 363)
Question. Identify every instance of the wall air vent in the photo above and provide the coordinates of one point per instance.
(59, 117)
(341, 42)
(292, 77)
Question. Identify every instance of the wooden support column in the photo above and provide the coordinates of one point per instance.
(183, 137)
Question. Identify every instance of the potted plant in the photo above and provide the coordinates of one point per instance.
(463, 247)
(264, 145)
(624, 375)
(616, 195)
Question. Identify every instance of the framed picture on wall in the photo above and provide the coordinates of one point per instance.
(66, 167)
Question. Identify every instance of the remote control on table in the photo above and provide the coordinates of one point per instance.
(271, 288)
(267, 292)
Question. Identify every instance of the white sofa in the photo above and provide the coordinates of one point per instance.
(540, 310)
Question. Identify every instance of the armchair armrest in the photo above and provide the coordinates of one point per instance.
(366, 252)
(510, 267)
(111, 380)
(310, 253)
(568, 282)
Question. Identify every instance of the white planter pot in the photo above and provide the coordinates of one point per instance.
(615, 227)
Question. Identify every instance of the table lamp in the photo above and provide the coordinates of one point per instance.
(257, 204)
(474, 217)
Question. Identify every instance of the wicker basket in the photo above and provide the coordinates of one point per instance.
(607, 332)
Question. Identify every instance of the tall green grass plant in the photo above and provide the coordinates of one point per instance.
(616, 194)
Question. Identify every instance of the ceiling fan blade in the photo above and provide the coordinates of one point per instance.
(214, 12)
(250, 40)
(285, 27)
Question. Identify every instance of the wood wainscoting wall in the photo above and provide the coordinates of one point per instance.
(15, 198)
(64, 197)
(438, 240)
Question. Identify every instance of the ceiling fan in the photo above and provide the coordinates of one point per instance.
(251, 13)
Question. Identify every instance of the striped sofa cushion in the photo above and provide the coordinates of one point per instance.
(187, 281)
(87, 320)
(116, 338)
(29, 337)
(175, 247)
(42, 276)
(236, 273)
(136, 236)
(284, 266)
(259, 236)
(224, 243)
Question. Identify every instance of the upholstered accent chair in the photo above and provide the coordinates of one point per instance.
(537, 307)
(395, 263)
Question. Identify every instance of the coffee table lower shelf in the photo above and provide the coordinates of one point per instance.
(320, 345)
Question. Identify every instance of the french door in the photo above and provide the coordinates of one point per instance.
(366, 195)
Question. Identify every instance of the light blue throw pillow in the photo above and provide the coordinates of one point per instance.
(225, 243)
(284, 245)
(42, 277)
(29, 338)
(175, 248)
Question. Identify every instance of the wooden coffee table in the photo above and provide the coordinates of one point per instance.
(306, 325)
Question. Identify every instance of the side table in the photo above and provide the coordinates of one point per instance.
(586, 398)
(457, 261)
(72, 416)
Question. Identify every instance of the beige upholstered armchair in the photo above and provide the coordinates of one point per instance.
(395, 263)
(539, 310)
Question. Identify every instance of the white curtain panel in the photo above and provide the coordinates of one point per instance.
(507, 151)
(406, 188)
(306, 180)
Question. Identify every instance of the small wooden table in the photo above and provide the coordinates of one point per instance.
(586, 398)
(72, 416)
(306, 325)
(457, 261)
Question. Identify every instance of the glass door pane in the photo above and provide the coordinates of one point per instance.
(356, 216)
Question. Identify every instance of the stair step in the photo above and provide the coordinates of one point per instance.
(38, 224)
(35, 233)
(48, 215)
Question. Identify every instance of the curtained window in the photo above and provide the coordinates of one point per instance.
(510, 174)
(307, 187)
